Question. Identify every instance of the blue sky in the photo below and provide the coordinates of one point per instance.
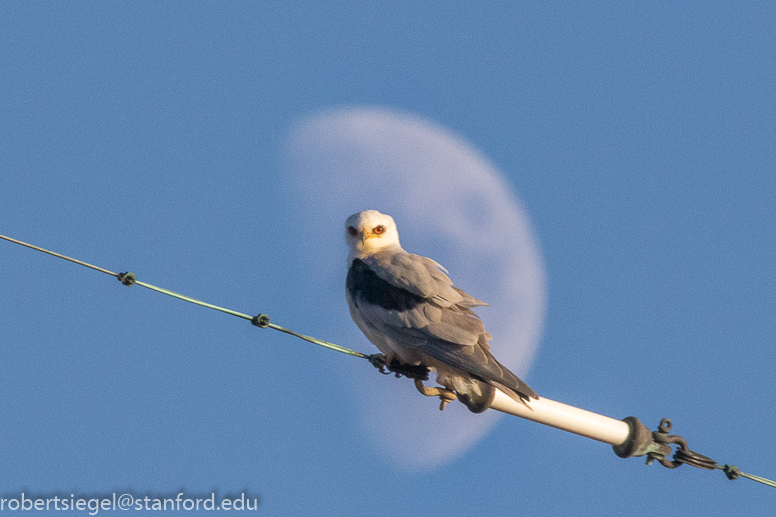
(154, 138)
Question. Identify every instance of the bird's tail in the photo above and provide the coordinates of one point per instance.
(511, 385)
(477, 363)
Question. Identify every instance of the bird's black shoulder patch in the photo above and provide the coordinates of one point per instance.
(363, 284)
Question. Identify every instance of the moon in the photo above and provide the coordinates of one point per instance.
(451, 204)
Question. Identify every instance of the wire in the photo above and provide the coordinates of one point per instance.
(732, 472)
(71, 259)
(378, 361)
(261, 321)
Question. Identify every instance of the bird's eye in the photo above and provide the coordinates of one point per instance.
(379, 229)
(352, 231)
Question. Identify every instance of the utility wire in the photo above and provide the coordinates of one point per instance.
(732, 472)
(377, 360)
(261, 321)
(111, 273)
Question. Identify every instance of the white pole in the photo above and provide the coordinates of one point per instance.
(565, 417)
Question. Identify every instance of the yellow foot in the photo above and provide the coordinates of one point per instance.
(444, 394)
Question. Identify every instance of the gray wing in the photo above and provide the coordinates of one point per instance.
(421, 276)
(411, 300)
(438, 309)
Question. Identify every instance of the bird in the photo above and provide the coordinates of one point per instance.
(407, 306)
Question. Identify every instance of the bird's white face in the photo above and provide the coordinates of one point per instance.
(368, 232)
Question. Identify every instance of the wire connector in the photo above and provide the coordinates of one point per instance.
(656, 445)
(683, 453)
(127, 278)
(261, 321)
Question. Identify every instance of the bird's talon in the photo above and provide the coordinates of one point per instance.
(445, 395)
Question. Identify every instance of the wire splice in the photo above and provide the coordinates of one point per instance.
(128, 279)
(261, 321)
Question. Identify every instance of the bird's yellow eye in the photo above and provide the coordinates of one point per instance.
(379, 229)
(352, 231)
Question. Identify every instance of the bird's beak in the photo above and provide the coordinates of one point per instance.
(368, 235)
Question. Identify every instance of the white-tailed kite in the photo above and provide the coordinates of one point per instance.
(407, 306)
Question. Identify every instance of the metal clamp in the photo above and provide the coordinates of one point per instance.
(683, 453)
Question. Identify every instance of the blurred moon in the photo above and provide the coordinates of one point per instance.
(451, 204)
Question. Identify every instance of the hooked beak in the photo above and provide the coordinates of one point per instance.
(366, 235)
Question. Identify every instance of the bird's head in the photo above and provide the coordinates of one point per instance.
(368, 232)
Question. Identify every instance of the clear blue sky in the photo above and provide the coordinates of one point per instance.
(149, 137)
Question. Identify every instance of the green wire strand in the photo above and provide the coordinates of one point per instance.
(758, 479)
(733, 472)
(320, 342)
(59, 255)
(128, 279)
